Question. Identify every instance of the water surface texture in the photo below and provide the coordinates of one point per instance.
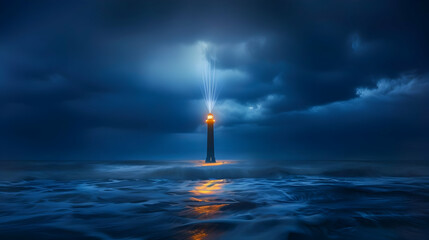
(231, 200)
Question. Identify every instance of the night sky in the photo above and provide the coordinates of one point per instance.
(120, 80)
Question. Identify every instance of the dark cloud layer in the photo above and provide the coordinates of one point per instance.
(300, 79)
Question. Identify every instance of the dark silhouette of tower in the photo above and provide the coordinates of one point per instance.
(210, 139)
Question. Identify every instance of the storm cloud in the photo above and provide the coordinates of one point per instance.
(299, 79)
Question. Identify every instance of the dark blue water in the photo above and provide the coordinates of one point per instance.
(187, 200)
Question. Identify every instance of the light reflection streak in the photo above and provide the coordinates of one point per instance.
(204, 164)
(198, 234)
(205, 212)
(209, 187)
(205, 206)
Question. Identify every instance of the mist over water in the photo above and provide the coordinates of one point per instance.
(230, 200)
(198, 170)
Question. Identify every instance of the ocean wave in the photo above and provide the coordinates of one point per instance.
(193, 170)
(299, 207)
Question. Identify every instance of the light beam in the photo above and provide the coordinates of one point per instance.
(210, 92)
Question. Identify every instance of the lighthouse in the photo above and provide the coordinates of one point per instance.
(210, 139)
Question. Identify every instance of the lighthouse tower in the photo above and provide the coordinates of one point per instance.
(210, 139)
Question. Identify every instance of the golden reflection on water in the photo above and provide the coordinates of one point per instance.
(198, 234)
(209, 187)
(206, 205)
(204, 164)
(205, 212)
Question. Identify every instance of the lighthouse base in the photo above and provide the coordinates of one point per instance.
(210, 160)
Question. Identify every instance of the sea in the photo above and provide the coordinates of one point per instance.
(231, 199)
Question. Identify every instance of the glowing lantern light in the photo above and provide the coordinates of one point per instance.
(210, 118)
